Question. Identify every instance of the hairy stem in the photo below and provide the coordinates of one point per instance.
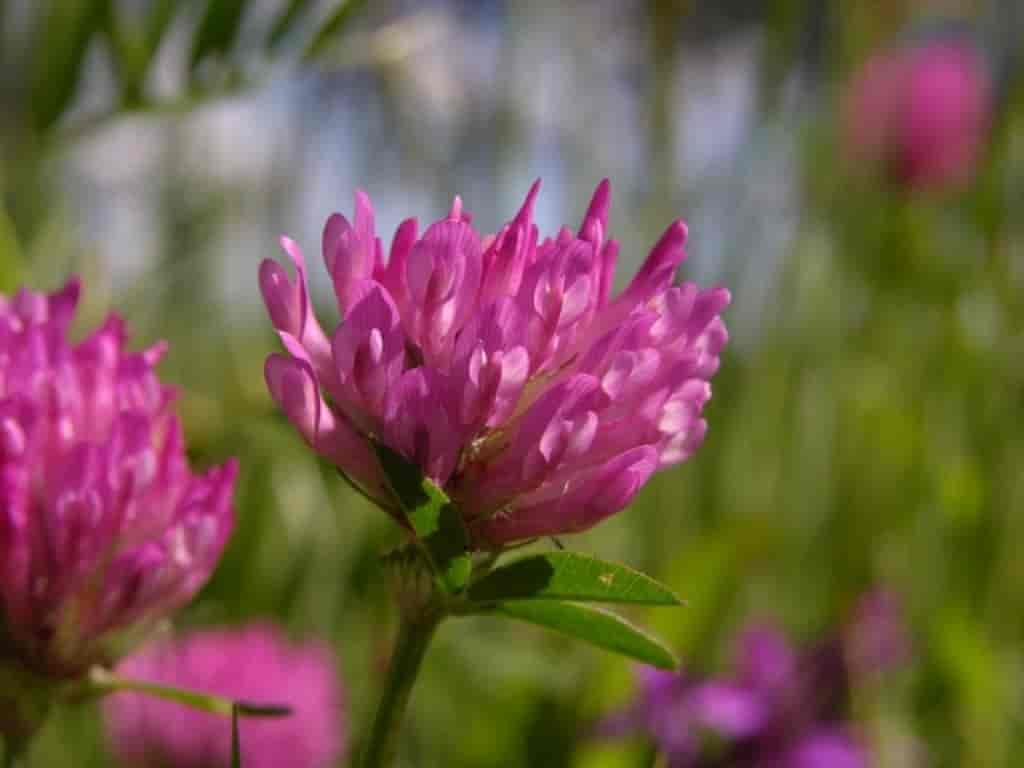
(414, 635)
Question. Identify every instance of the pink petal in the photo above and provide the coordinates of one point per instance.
(660, 267)
(591, 497)
(595, 222)
(293, 386)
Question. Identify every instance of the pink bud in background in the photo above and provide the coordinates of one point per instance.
(877, 639)
(256, 664)
(501, 364)
(104, 530)
(921, 111)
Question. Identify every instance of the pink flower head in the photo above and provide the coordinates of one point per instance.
(501, 365)
(922, 111)
(255, 663)
(103, 528)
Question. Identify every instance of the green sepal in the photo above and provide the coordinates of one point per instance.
(433, 517)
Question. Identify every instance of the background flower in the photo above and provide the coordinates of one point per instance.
(779, 705)
(103, 528)
(921, 110)
(252, 663)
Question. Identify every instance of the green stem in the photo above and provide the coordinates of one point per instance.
(101, 682)
(12, 755)
(25, 701)
(414, 636)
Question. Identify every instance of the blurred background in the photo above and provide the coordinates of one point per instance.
(866, 425)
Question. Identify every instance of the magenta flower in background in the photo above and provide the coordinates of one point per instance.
(501, 365)
(104, 530)
(254, 663)
(922, 111)
(877, 638)
(779, 705)
(825, 748)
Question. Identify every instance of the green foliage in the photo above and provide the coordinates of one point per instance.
(11, 257)
(332, 27)
(570, 576)
(285, 21)
(65, 30)
(62, 34)
(596, 626)
(217, 30)
(134, 49)
(158, 20)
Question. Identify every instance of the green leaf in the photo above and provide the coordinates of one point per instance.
(334, 25)
(63, 31)
(218, 29)
(134, 47)
(434, 519)
(570, 576)
(592, 625)
(285, 21)
(127, 54)
(157, 21)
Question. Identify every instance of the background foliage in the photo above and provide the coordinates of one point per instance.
(866, 423)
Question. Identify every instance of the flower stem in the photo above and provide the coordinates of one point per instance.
(11, 755)
(25, 701)
(414, 635)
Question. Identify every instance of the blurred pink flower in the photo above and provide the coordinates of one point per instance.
(737, 721)
(922, 111)
(877, 639)
(828, 747)
(103, 528)
(254, 663)
(501, 365)
(779, 705)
